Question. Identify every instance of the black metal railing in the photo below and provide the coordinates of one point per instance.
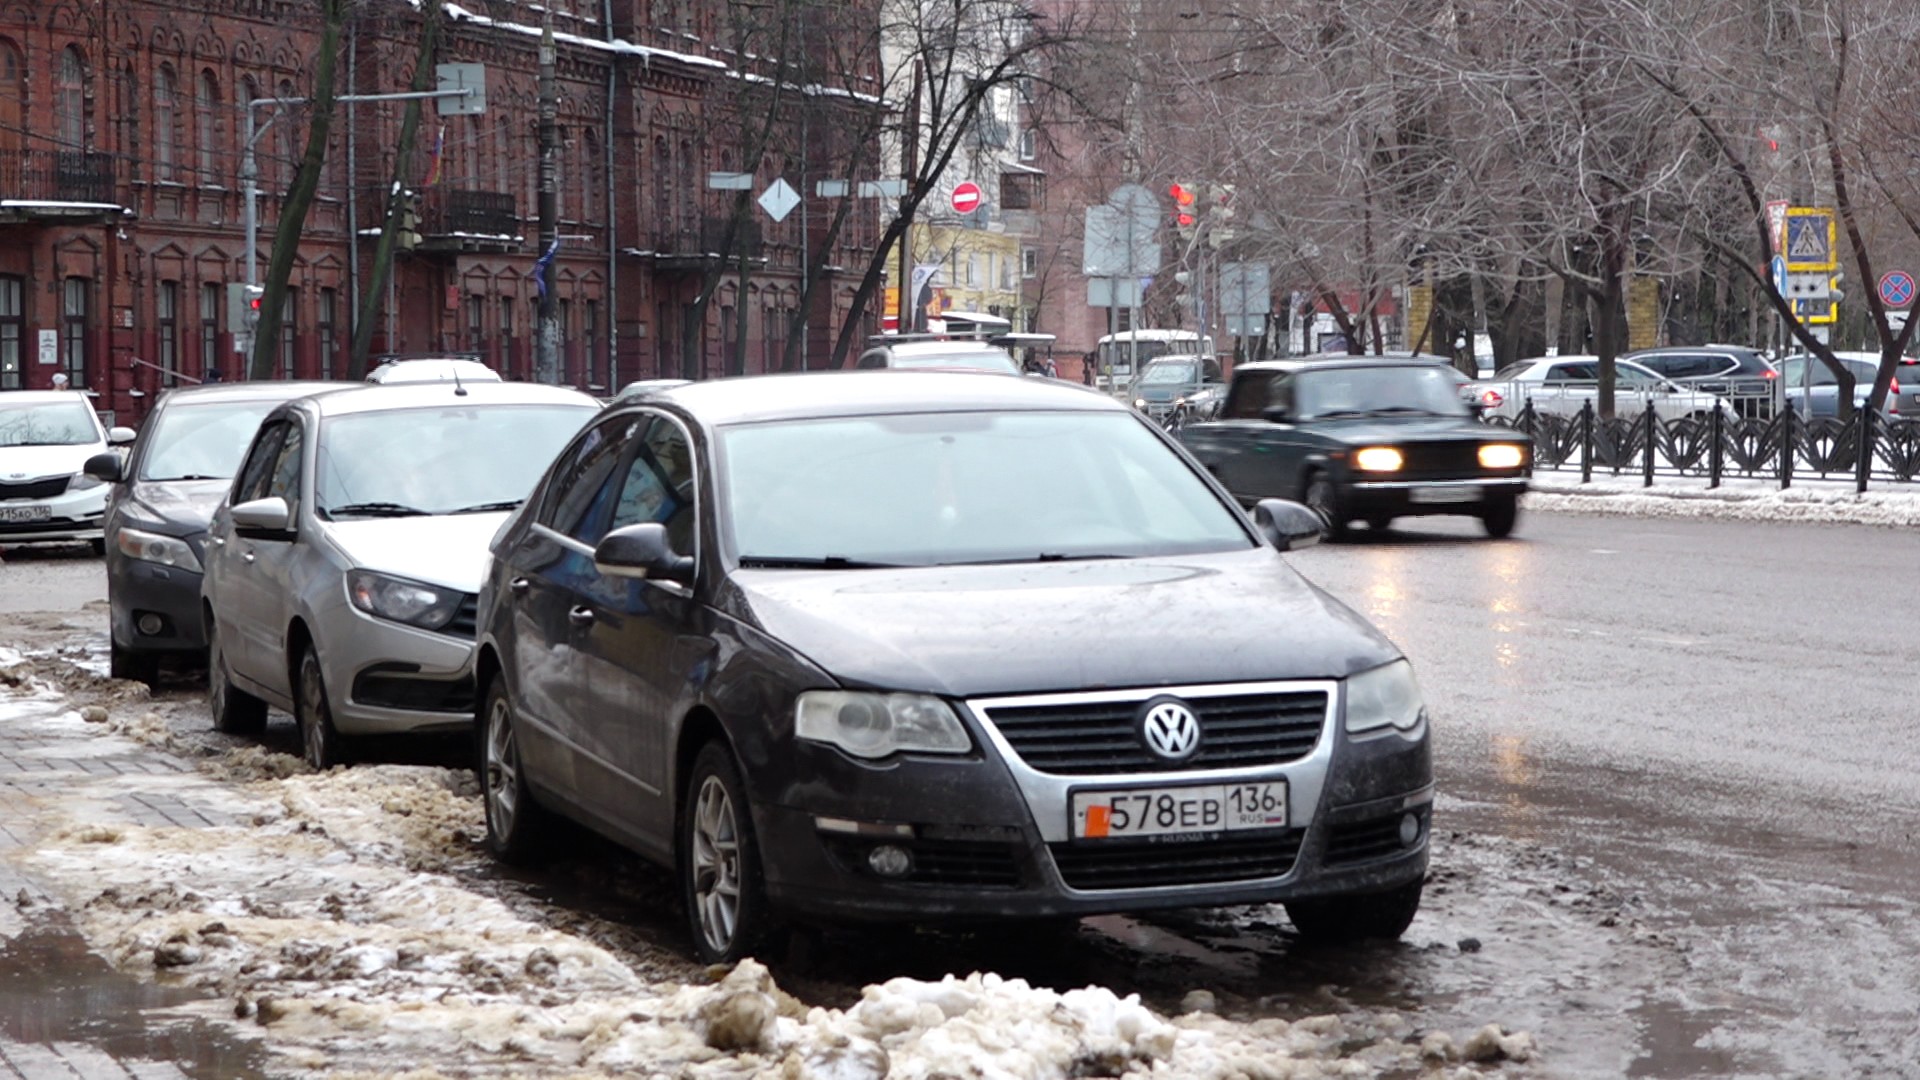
(57, 176)
(462, 212)
(1721, 445)
(707, 236)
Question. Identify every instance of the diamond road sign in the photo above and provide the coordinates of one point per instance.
(779, 199)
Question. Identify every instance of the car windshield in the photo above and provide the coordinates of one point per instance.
(983, 360)
(1161, 373)
(202, 442)
(1372, 391)
(927, 489)
(47, 423)
(440, 460)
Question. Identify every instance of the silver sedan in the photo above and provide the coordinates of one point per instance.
(341, 571)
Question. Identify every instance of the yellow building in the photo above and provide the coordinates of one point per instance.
(979, 269)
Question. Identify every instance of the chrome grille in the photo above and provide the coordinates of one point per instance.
(1078, 738)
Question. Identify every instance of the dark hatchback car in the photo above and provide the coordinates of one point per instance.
(831, 647)
(1363, 439)
(165, 492)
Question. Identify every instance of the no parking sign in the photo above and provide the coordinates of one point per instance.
(1896, 288)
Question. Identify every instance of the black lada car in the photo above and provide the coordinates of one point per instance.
(1363, 439)
(939, 645)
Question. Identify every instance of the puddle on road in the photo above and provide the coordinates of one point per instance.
(52, 989)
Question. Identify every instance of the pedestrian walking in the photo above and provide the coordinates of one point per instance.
(60, 380)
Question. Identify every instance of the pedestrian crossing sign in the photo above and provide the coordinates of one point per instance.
(1810, 238)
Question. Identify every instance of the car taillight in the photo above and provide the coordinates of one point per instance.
(1491, 399)
(1769, 374)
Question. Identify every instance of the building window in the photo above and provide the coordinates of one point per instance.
(1029, 143)
(590, 336)
(127, 115)
(70, 100)
(563, 319)
(1029, 262)
(207, 121)
(166, 133)
(1019, 191)
(505, 363)
(73, 330)
(209, 330)
(13, 96)
(289, 330)
(476, 324)
(288, 150)
(168, 316)
(324, 323)
(13, 331)
(591, 166)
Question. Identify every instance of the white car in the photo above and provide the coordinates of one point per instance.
(1562, 385)
(437, 369)
(46, 437)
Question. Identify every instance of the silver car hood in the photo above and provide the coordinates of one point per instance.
(449, 550)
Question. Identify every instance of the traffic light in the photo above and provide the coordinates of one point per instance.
(1183, 195)
(243, 306)
(1219, 214)
(1833, 288)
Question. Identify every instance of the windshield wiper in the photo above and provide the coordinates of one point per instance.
(189, 476)
(1337, 414)
(374, 509)
(811, 562)
(1395, 410)
(483, 508)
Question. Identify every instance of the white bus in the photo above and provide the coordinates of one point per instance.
(1122, 355)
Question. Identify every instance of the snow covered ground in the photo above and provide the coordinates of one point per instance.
(335, 917)
(1827, 501)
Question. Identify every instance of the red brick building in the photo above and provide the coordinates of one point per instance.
(121, 210)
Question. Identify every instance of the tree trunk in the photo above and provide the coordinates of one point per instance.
(396, 193)
(293, 213)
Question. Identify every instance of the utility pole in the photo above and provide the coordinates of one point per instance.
(546, 361)
(909, 166)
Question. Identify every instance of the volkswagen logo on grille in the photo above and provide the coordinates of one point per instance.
(1169, 729)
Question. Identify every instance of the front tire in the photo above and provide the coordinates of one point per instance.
(1322, 498)
(517, 827)
(720, 877)
(1499, 516)
(1340, 920)
(319, 742)
(235, 711)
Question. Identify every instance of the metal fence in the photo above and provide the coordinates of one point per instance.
(1779, 446)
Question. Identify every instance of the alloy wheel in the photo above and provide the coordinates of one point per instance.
(503, 768)
(716, 864)
(314, 736)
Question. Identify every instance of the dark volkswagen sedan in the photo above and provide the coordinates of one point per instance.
(156, 526)
(1363, 439)
(909, 645)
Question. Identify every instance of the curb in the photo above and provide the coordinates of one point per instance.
(1892, 509)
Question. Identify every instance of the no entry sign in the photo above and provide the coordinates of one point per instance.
(966, 197)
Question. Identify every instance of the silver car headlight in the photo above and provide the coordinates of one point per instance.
(872, 725)
(412, 602)
(154, 548)
(1387, 696)
(82, 482)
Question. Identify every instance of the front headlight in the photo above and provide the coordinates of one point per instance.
(1501, 456)
(1387, 696)
(871, 725)
(154, 548)
(1378, 459)
(412, 602)
(82, 482)
(1140, 403)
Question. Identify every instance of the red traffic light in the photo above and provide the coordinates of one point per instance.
(1182, 194)
(1183, 218)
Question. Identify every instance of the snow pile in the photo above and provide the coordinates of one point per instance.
(1835, 504)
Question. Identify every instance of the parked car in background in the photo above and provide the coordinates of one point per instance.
(1809, 387)
(1177, 377)
(46, 495)
(799, 639)
(640, 388)
(949, 354)
(432, 369)
(1562, 385)
(166, 488)
(1363, 439)
(1742, 376)
(341, 571)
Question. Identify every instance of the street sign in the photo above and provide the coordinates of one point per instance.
(1810, 238)
(966, 197)
(1120, 292)
(1778, 267)
(1808, 285)
(469, 77)
(779, 199)
(1777, 225)
(1896, 288)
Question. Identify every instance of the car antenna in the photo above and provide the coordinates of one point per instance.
(458, 389)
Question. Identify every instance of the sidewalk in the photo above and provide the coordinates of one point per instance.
(1808, 500)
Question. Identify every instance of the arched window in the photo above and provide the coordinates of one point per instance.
(689, 200)
(662, 186)
(127, 114)
(207, 122)
(502, 153)
(166, 123)
(592, 170)
(287, 151)
(13, 95)
(70, 99)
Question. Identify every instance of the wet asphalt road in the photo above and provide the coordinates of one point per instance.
(1695, 727)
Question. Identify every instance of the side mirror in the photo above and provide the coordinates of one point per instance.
(1287, 525)
(642, 551)
(269, 517)
(105, 466)
(1277, 414)
(121, 436)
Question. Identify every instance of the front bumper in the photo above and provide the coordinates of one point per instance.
(66, 518)
(142, 592)
(385, 677)
(1412, 498)
(989, 837)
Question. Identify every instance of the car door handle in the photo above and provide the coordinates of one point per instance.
(580, 616)
(519, 586)
(217, 541)
(246, 556)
